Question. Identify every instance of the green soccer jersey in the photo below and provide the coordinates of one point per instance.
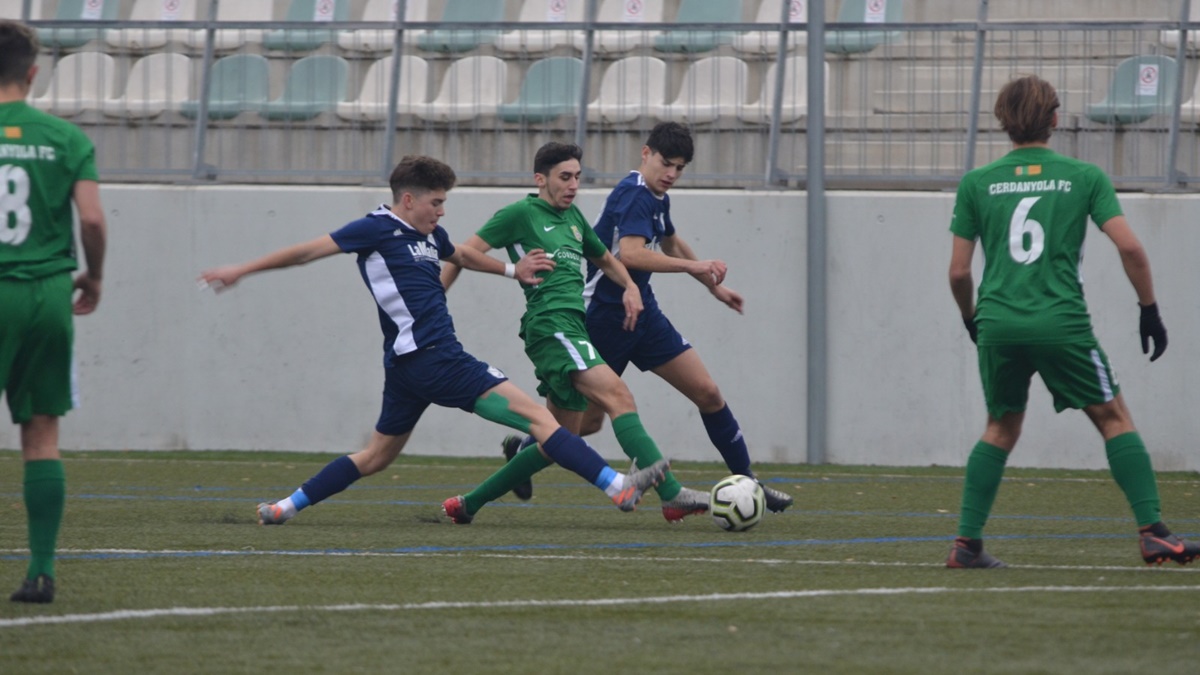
(565, 236)
(1029, 211)
(41, 159)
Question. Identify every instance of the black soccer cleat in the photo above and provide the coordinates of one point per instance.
(776, 500)
(1157, 550)
(963, 557)
(511, 446)
(31, 592)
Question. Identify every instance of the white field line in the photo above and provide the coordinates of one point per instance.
(122, 615)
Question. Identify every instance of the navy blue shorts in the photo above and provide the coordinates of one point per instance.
(443, 374)
(653, 343)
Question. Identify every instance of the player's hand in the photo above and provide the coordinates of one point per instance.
(531, 263)
(219, 279)
(730, 297)
(89, 294)
(1151, 327)
(709, 272)
(633, 306)
(972, 329)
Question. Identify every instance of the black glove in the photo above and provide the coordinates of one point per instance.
(972, 329)
(1151, 326)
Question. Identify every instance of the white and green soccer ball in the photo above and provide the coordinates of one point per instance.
(736, 503)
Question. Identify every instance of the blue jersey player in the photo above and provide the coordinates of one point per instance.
(400, 248)
(636, 227)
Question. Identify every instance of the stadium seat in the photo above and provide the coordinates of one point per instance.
(795, 93)
(1142, 87)
(147, 39)
(381, 39)
(617, 11)
(78, 10)
(767, 41)
(473, 86)
(372, 101)
(314, 85)
(450, 40)
(314, 12)
(80, 81)
(11, 9)
(238, 83)
(711, 88)
(537, 41)
(156, 83)
(864, 11)
(628, 90)
(226, 39)
(1170, 38)
(550, 89)
(700, 11)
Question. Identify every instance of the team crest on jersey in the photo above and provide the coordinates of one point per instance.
(1031, 170)
(575, 231)
(12, 132)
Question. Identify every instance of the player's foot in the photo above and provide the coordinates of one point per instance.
(39, 590)
(511, 445)
(1157, 550)
(456, 508)
(964, 556)
(270, 513)
(637, 481)
(776, 500)
(688, 502)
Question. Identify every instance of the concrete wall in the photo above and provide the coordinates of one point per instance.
(290, 360)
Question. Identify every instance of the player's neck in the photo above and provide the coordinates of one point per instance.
(1023, 146)
(13, 92)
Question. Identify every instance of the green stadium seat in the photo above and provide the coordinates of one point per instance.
(460, 40)
(551, 88)
(1142, 87)
(314, 12)
(864, 11)
(77, 10)
(238, 83)
(700, 11)
(315, 84)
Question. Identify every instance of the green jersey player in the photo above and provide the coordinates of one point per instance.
(1029, 210)
(569, 370)
(45, 164)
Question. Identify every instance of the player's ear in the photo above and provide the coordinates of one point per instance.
(32, 74)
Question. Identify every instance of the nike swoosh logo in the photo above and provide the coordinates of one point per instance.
(548, 228)
(1175, 548)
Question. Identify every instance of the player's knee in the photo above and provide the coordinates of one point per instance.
(708, 398)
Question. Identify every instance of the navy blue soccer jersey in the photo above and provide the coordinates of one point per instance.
(402, 269)
(631, 210)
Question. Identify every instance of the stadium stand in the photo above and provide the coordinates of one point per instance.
(136, 39)
(1170, 38)
(78, 10)
(699, 41)
(711, 88)
(372, 101)
(530, 41)
(450, 40)
(629, 89)
(156, 83)
(314, 12)
(795, 93)
(864, 11)
(228, 39)
(473, 86)
(767, 41)
(12, 9)
(315, 84)
(549, 89)
(80, 81)
(1142, 87)
(617, 11)
(239, 83)
(373, 40)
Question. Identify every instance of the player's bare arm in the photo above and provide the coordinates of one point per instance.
(677, 256)
(632, 298)
(962, 284)
(221, 278)
(450, 271)
(93, 233)
(525, 270)
(1133, 258)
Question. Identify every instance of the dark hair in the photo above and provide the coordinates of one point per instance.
(18, 51)
(418, 174)
(672, 140)
(1025, 108)
(552, 154)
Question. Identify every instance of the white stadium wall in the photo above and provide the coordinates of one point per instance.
(290, 360)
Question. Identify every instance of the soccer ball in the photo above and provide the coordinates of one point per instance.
(736, 503)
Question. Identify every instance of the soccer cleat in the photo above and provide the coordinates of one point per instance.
(30, 592)
(962, 557)
(511, 445)
(776, 500)
(1157, 550)
(637, 481)
(688, 502)
(270, 513)
(456, 508)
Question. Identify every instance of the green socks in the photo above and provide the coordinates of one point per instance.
(523, 465)
(45, 497)
(1130, 466)
(985, 470)
(637, 444)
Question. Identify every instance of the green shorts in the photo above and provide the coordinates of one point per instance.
(36, 338)
(1077, 374)
(558, 344)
